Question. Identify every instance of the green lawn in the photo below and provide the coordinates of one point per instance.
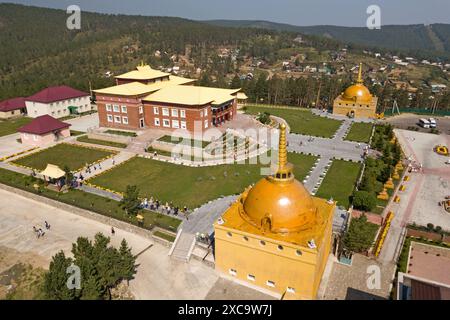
(122, 133)
(190, 186)
(339, 182)
(165, 236)
(191, 142)
(360, 132)
(63, 154)
(101, 142)
(301, 121)
(88, 201)
(10, 126)
(75, 133)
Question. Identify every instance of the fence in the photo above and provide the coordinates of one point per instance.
(420, 111)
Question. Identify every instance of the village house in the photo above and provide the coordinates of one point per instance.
(12, 108)
(59, 101)
(43, 130)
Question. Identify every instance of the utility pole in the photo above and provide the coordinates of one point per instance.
(395, 107)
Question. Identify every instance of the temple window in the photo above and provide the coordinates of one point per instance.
(270, 283)
(232, 272)
(290, 290)
(280, 247)
(298, 252)
(229, 234)
(263, 243)
(251, 277)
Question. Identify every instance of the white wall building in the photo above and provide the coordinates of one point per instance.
(58, 102)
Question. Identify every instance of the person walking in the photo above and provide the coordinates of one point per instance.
(47, 225)
(113, 232)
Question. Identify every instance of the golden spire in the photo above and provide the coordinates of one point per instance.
(282, 149)
(284, 170)
(360, 80)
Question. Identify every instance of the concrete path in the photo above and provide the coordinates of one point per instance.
(107, 164)
(326, 149)
(158, 276)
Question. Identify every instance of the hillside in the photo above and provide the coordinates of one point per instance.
(433, 39)
(37, 50)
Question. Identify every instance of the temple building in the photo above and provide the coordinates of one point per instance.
(276, 236)
(148, 98)
(356, 101)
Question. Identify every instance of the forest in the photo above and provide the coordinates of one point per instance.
(37, 50)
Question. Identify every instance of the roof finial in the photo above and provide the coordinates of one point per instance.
(360, 80)
(282, 150)
(284, 171)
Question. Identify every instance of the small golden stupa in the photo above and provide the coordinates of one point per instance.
(383, 195)
(356, 101)
(389, 184)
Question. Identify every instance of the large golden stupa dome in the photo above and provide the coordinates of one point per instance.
(357, 92)
(279, 203)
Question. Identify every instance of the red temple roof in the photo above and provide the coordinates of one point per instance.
(12, 104)
(43, 124)
(58, 93)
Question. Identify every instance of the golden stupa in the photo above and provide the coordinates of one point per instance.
(356, 101)
(276, 236)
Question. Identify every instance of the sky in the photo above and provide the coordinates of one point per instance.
(296, 12)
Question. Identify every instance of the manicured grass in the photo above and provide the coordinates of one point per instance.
(191, 142)
(339, 182)
(88, 201)
(164, 236)
(10, 126)
(190, 186)
(122, 133)
(301, 121)
(360, 132)
(63, 154)
(101, 142)
(75, 133)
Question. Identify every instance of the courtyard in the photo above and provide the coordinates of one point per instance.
(301, 121)
(190, 186)
(158, 276)
(63, 154)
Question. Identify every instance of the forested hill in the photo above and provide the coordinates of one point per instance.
(434, 38)
(37, 50)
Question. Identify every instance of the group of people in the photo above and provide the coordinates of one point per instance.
(90, 167)
(167, 208)
(38, 230)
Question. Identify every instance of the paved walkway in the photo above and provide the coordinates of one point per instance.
(158, 276)
(326, 149)
(107, 164)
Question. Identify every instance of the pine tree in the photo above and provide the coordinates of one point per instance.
(235, 82)
(55, 280)
(128, 260)
(130, 201)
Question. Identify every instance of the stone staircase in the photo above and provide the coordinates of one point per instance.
(183, 247)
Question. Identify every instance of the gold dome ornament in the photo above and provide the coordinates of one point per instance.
(279, 203)
(358, 92)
